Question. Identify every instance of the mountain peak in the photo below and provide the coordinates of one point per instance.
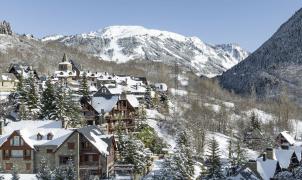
(124, 43)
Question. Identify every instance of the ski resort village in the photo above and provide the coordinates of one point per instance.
(80, 124)
(133, 102)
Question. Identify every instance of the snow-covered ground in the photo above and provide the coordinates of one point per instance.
(223, 145)
(178, 92)
(22, 176)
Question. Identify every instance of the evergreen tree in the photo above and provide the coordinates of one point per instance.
(70, 171)
(21, 90)
(15, 175)
(185, 158)
(67, 109)
(23, 115)
(32, 95)
(213, 161)
(48, 104)
(44, 172)
(84, 89)
(254, 121)
(240, 154)
(148, 99)
(142, 116)
(59, 173)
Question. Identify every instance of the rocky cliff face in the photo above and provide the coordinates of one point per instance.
(123, 43)
(276, 65)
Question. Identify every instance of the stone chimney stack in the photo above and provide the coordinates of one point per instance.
(252, 164)
(269, 153)
(264, 156)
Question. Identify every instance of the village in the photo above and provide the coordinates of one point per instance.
(97, 129)
(110, 106)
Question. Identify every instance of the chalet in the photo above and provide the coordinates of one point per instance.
(8, 82)
(22, 70)
(284, 139)
(24, 144)
(111, 110)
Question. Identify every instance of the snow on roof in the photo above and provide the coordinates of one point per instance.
(284, 157)
(132, 100)
(93, 89)
(31, 124)
(298, 151)
(8, 77)
(267, 168)
(94, 135)
(29, 130)
(65, 73)
(288, 137)
(105, 103)
(161, 86)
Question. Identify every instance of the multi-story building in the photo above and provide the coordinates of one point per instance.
(111, 110)
(24, 144)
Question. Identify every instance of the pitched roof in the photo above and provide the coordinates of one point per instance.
(132, 100)
(288, 137)
(94, 135)
(104, 103)
(284, 157)
(267, 168)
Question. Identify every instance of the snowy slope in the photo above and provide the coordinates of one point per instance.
(124, 43)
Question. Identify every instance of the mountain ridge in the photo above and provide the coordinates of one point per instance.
(123, 43)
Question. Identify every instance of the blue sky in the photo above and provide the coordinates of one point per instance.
(246, 22)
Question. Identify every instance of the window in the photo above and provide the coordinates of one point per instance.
(71, 145)
(64, 159)
(95, 157)
(28, 166)
(39, 136)
(17, 153)
(48, 150)
(8, 166)
(27, 153)
(6, 153)
(16, 141)
(49, 136)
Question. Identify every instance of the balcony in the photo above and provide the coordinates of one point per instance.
(89, 165)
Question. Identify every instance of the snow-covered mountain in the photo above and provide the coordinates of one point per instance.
(124, 43)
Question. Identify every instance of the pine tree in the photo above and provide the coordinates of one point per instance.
(142, 116)
(32, 95)
(21, 90)
(15, 175)
(70, 171)
(66, 108)
(213, 159)
(255, 122)
(48, 104)
(84, 89)
(148, 98)
(44, 172)
(184, 158)
(240, 154)
(23, 115)
(59, 173)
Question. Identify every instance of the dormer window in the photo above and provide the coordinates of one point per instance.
(39, 136)
(61, 73)
(70, 73)
(49, 136)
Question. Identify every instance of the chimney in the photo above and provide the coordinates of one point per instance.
(252, 164)
(264, 156)
(269, 153)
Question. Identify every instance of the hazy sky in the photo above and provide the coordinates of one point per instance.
(246, 22)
